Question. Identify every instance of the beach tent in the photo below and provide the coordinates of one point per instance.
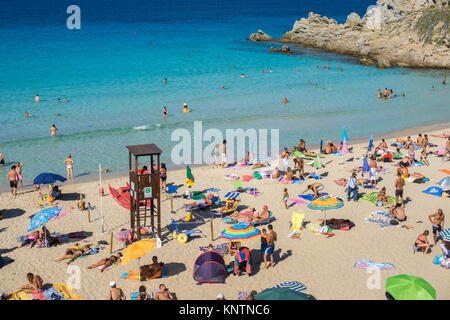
(209, 267)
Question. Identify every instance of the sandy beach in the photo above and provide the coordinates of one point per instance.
(325, 265)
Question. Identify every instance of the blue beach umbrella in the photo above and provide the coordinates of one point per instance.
(344, 136)
(42, 217)
(370, 143)
(48, 178)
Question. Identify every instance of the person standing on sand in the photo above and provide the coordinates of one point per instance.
(53, 130)
(19, 174)
(69, 167)
(399, 184)
(373, 171)
(12, 179)
(352, 187)
(285, 197)
(437, 219)
(115, 293)
(447, 150)
(224, 153)
(271, 237)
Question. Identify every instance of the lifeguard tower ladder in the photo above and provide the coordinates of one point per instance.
(145, 193)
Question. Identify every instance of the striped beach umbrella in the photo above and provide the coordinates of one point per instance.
(445, 234)
(240, 232)
(293, 285)
(324, 204)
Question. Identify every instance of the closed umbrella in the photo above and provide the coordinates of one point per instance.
(321, 146)
(370, 144)
(344, 135)
(48, 178)
(240, 232)
(444, 183)
(324, 204)
(345, 147)
(282, 294)
(139, 249)
(407, 287)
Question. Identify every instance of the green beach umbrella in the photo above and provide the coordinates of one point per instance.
(282, 294)
(189, 177)
(407, 287)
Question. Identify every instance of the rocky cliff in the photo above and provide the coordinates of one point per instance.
(407, 33)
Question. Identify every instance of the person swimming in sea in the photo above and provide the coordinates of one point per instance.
(27, 114)
(185, 107)
(65, 100)
(165, 81)
(242, 75)
(53, 130)
(379, 94)
(37, 98)
(58, 100)
(165, 112)
(285, 100)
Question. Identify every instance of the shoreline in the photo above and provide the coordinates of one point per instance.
(172, 167)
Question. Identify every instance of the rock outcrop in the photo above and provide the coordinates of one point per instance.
(407, 33)
(261, 36)
(283, 49)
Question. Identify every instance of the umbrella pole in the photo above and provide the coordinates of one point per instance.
(101, 198)
(324, 218)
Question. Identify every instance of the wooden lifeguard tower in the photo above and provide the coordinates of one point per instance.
(145, 193)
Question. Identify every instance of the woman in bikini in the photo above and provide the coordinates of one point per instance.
(107, 262)
(34, 284)
(69, 167)
(75, 252)
(422, 242)
(382, 196)
(233, 247)
(289, 174)
(31, 239)
(423, 158)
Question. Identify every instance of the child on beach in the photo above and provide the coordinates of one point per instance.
(285, 197)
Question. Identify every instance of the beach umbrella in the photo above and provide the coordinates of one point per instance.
(445, 234)
(293, 285)
(324, 204)
(345, 147)
(281, 294)
(42, 217)
(344, 135)
(189, 177)
(48, 178)
(365, 167)
(407, 287)
(370, 144)
(240, 232)
(139, 249)
(444, 183)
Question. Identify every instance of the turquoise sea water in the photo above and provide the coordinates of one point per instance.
(112, 71)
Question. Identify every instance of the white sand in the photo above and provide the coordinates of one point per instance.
(324, 265)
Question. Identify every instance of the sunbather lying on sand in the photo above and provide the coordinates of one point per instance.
(244, 216)
(107, 262)
(34, 284)
(75, 252)
(263, 216)
(201, 202)
(31, 239)
(227, 207)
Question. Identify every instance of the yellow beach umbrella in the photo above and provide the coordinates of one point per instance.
(139, 249)
(324, 204)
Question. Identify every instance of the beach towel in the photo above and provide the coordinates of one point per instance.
(66, 291)
(134, 275)
(310, 197)
(298, 181)
(364, 264)
(284, 181)
(434, 191)
(445, 171)
(381, 218)
(134, 295)
(373, 197)
(298, 201)
(246, 178)
(221, 248)
(51, 293)
(243, 295)
(231, 176)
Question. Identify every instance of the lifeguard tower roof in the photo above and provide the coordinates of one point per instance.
(144, 150)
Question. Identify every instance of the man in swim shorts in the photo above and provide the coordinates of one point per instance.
(271, 237)
(373, 171)
(12, 180)
(437, 219)
(224, 153)
(399, 184)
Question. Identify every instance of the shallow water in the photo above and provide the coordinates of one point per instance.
(112, 70)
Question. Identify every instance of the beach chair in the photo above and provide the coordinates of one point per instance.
(254, 224)
(182, 236)
(231, 197)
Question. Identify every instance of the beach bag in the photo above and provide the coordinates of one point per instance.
(393, 222)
